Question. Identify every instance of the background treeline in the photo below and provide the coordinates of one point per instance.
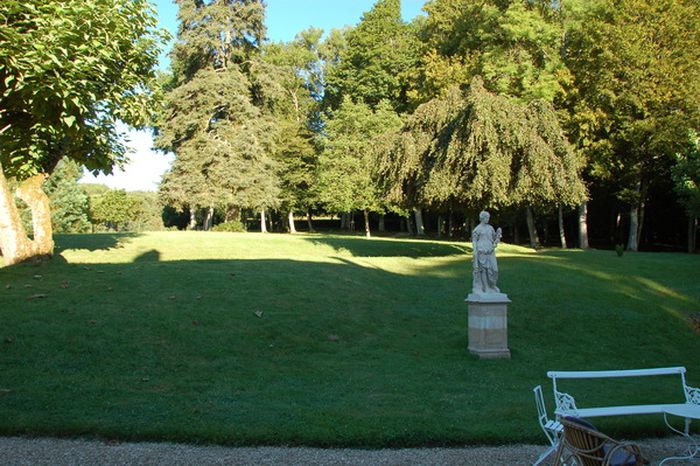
(573, 121)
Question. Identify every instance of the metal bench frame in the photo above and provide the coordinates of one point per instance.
(566, 404)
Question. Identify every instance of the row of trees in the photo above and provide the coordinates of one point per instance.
(511, 105)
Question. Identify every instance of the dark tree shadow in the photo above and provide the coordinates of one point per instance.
(94, 242)
(148, 256)
(377, 247)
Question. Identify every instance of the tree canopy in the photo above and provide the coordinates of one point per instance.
(69, 70)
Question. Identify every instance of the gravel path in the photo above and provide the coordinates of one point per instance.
(17, 451)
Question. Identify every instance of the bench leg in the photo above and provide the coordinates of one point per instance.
(687, 426)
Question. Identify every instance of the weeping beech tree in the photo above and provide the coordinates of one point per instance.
(481, 150)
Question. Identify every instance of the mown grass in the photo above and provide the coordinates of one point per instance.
(252, 339)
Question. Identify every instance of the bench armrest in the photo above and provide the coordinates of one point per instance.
(692, 394)
(565, 402)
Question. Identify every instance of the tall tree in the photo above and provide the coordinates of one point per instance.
(69, 69)
(213, 121)
(350, 151)
(635, 91)
(686, 177)
(288, 75)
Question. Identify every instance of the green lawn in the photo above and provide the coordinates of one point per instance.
(253, 339)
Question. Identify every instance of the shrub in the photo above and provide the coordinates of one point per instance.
(233, 226)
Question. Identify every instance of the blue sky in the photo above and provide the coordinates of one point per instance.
(284, 19)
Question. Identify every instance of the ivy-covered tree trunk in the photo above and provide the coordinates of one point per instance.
(583, 226)
(531, 229)
(14, 242)
(290, 221)
(562, 235)
(692, 233)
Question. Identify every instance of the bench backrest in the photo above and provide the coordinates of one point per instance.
(565, 400)
(620, 373)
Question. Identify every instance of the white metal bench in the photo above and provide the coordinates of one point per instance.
(566, 404)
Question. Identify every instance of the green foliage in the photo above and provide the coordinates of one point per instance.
(289, 81)
(686, 176)
(233, 226)
(635, 90)
(69, 69)
(512, 44)
(482, 150)
(70, 206)
(216, 34)
(149, 209)
(350, 151)
(619, 249)
(301, 325)
(212, 119)
(115, 209)
(377, 62)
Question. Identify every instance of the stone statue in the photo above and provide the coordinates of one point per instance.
(484, 242)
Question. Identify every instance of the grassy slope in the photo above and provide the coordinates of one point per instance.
(359, 342)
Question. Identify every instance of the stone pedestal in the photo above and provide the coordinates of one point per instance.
(488, 325)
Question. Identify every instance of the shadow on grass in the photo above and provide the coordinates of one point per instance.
(376, 247)
(95, 242)
(273, 351)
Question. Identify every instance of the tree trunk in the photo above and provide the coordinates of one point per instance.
(32, 193)
(263, 221)
(451, 224)
(420, 229)
(14, 242)
(382, 225)
(344, 221)
(633, 239)
(562, 235)
(409, 226)
(351, 216)
(193, 219)
(583, 226)
(367, 232)
(692, 233)
(290, 220)
(440, 225)
(640, 226)
(208, 219)
(531, 229)
(308, 221)
(233, 214)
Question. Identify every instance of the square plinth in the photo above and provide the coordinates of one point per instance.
(488, 325)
